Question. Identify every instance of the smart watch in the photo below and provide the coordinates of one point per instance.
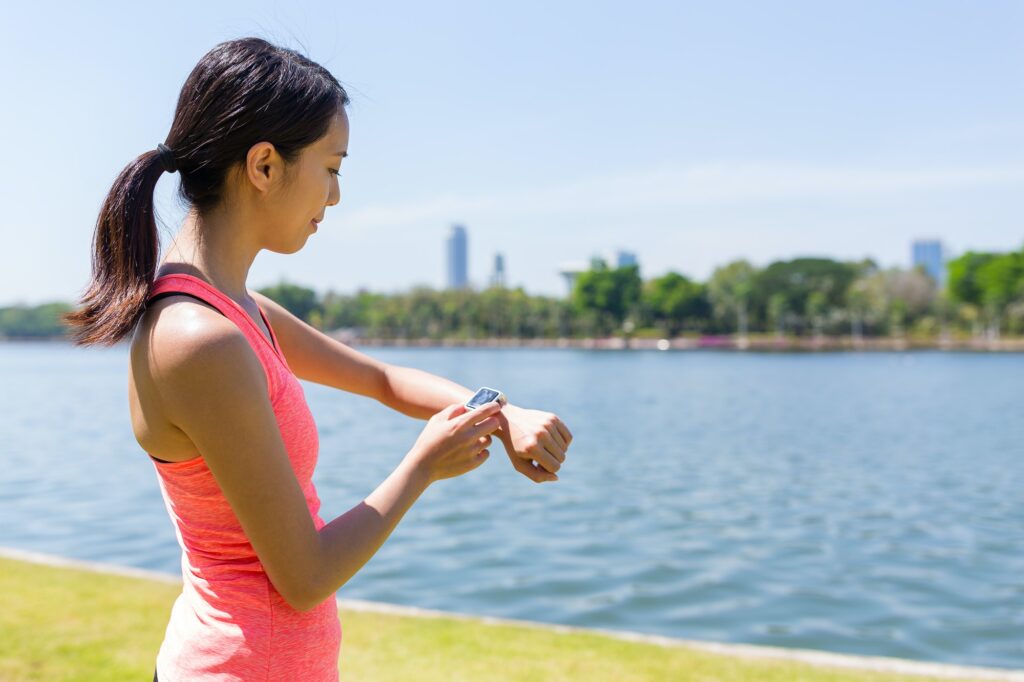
(485, 395)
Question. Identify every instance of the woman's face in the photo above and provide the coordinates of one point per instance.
(311, 187)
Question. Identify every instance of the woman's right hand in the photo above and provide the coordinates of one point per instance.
(455, 441)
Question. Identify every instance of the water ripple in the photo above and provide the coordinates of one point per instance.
(853, 503)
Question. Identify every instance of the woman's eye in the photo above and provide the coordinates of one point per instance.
(336, 171)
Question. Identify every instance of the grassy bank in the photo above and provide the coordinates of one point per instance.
(67, 624)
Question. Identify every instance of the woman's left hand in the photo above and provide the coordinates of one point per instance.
(533, 435)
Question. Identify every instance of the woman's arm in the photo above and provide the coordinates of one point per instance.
(420, 394)
(211, 386)
(316, 357)
(528, 435)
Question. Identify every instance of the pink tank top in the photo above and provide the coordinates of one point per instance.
(229, 622)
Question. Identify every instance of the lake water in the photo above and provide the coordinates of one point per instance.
(861, 503)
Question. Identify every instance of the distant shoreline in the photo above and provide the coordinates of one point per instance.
(755, 343)
(719, 343)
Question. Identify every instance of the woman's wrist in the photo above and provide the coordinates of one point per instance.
(510, 411)
(415, 470)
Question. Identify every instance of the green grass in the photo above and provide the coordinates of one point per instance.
(69, 624)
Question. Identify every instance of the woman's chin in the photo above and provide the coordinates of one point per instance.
(286, 249)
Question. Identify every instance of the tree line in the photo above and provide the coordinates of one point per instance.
(983, 295)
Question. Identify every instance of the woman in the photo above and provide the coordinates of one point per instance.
(258, 137)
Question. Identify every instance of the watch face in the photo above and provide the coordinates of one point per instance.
(482, 397)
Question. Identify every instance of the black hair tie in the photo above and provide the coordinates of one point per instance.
(167, 158)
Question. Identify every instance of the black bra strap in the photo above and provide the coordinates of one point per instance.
(164, 294)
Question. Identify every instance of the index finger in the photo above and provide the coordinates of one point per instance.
(481, 413)
(487, 426)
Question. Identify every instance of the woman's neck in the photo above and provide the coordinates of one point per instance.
(216, 250)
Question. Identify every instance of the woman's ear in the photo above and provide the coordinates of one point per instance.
(264, 167)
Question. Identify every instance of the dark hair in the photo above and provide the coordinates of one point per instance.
(240, 93)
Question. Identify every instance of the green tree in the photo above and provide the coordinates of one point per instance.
(421, 310)
(794, 281)
(299, 301)
(607, 295)
(817, 304)
(729, 291)
(963, 277)
(776, 313)
(1000, 281)
(867, 302)
(887, 301)
(675, 302)
(39, 321)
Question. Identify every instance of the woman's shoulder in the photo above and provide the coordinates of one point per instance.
(180, 322)
(182, 346)
(182, 339)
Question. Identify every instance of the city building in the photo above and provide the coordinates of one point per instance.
(614, 259)
(456, 248)
(498, 276)
(624, 258)
(569, 272)
(928, 253)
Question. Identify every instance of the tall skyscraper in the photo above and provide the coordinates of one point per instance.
(928, 253)
(624, 258)
(457, 251)
(498, 276)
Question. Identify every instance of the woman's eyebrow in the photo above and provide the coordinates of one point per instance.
(341, 154)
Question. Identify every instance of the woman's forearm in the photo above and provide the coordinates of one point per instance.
(420, 394)
(351, 540)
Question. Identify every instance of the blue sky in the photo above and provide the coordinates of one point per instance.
(690, 133)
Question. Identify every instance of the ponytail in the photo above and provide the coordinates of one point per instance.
(124, 257)
(241, 92)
